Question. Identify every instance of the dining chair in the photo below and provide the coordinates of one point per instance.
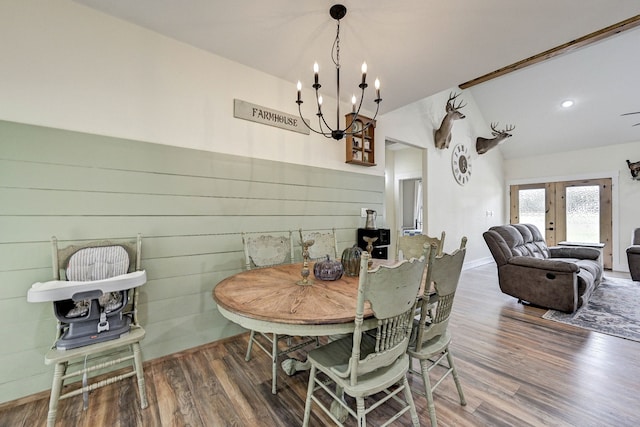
(412, 246)
(431, 337)
(267, 250)
(95, 304)
(324, 243)
(369, 362)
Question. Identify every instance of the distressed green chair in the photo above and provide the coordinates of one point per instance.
(412, 246)
(324, 243)
(369, 362)
(431, 338)
(267, 250)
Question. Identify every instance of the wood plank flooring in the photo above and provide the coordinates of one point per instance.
(517, 369)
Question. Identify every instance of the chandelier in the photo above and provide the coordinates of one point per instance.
(338, 12)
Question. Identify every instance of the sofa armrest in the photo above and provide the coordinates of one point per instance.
(633, 249)
(574, 252)
(544, 264)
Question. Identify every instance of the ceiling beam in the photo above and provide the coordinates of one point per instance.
(568, 47)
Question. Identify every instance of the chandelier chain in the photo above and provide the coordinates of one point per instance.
(336, 48)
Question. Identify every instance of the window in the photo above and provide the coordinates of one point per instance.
(573, 211)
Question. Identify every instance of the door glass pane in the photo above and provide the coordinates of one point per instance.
(531, 202)
(583, 214)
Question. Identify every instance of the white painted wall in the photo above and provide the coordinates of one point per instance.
(68, 66)
(608, 161)
(458, 210)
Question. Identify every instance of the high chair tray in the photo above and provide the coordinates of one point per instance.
(56, 290)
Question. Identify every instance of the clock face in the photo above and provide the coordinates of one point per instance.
(461, 164)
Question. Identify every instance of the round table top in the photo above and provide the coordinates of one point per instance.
(273, 295)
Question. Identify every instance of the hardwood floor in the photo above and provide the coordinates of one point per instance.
(516, 368)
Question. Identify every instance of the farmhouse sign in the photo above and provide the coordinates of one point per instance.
(255, 113)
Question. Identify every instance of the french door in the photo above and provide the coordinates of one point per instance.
(573, 211)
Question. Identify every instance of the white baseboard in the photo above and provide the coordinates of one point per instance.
(476, 263)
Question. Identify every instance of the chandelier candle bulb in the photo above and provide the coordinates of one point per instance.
(299, 86)
(353, 103)
(315, 72)
(364, 73)
(376, 84)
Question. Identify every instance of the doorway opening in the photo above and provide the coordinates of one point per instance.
(411, 206)
(405, 191)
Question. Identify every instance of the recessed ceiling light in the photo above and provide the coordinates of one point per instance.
(567, 103)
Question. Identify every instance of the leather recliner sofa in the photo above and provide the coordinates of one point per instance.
(633, 255)
(560, 277)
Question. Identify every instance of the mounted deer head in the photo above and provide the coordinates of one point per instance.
(442, 135)
(634, 168)
(485, 144)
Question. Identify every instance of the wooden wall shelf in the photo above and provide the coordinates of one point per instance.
(360, 147)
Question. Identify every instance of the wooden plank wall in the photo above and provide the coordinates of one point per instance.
(190, 207)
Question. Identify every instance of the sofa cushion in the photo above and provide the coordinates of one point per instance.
(591, 266)
(523, 240)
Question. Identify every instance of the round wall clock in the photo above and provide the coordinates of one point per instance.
(461, 164)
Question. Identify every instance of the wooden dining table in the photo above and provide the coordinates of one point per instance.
(271, 300)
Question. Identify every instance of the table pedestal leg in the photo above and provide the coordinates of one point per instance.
(337, 409)
(291, 366)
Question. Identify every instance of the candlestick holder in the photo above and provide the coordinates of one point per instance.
(369, 248)
(306, 244)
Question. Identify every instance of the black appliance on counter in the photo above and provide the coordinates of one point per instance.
(380, 246)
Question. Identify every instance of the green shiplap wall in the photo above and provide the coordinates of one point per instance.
(190, 207)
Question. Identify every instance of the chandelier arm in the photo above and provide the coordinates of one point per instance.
(321, 120)
(365, 126)
(355, 114)
(326, 135)
(346, 130)
(359, 104)
(320, 115)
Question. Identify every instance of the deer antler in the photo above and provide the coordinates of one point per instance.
(485, 144)
(506, 130)
(452, 105)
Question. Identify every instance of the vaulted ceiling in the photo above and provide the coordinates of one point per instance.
(420, 47)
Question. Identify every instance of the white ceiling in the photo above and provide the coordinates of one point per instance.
(421, 47)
